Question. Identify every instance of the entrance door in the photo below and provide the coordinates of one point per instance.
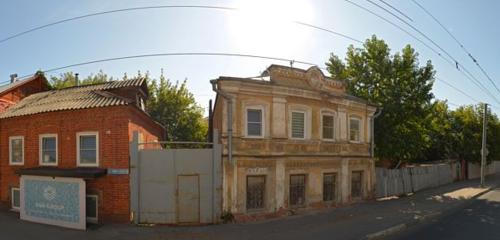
(188, 199)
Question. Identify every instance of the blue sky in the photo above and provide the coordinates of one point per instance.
(262, 28)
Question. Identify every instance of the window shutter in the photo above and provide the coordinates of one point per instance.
(298, 124)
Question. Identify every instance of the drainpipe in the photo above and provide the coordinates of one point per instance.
(372, 132)
(229, 119)
(231, 205)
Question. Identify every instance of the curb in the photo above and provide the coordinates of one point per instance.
(402, 226)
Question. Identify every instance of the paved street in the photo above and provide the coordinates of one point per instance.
(477, 220)
(350, 222)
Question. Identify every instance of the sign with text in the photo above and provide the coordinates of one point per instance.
(54, 201)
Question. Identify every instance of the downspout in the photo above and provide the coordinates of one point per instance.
(372, 132)
(229, 119)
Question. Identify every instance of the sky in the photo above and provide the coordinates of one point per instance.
(260, 27)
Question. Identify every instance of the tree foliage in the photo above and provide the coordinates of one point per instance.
(399, 85)
(68, 79)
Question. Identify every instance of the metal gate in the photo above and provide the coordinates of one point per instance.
(175, 186)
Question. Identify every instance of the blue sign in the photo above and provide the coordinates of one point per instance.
(56, 201)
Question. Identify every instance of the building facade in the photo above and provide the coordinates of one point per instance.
(79, 133)
(17, 89)
(298, 141)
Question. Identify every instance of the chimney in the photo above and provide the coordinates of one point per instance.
(13, 77)
(77, 82)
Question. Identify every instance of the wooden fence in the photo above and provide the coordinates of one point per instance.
(393, 182)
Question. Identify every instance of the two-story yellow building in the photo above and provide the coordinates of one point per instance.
(296, 140)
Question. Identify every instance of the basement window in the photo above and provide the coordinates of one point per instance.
(256, 186)
(15, 198)
(92, 206)
(297, 190)
(329, 186)
(356, 184)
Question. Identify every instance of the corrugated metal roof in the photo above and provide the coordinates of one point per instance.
(89, 96)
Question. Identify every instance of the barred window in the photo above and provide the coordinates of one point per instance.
(298, 124)
(327, 121)
(297, 190)
(255, 191)
(329, 186)
(356, 184)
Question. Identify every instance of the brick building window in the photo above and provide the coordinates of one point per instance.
(254, 122)
(327, 121)
(48, 149)
(297, 190)
(256, 186)
(329, 186)
(298, 124)
(16, 150)
(91, 208)
(88, 149)
(354, 128)
(356, 184)
(15, 198)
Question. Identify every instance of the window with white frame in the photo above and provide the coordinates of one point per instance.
(48, 149)
(298, 124)
(87, 149)
(354, 129)
(255, 122)
(328, 130)
(15, 198)
(16, 150)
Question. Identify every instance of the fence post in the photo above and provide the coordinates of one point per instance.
(134, 177)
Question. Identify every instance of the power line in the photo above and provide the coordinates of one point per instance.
(467, 74)
(160, 7)
(397, 10)
(178, 54)
(458, 42)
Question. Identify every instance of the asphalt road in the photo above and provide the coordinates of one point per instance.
(478, 220)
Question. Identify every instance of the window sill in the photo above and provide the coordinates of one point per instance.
(15, 209)
(16, 164)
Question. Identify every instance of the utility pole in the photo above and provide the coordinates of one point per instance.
(483, 148)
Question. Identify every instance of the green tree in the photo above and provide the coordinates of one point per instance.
(399, 85)
(442, 134)
(68, 79)
(175, 108)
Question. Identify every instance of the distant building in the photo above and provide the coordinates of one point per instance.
(18, 89)
(298, 141)
(77, 134)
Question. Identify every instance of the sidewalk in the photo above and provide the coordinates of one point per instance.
(352, 222)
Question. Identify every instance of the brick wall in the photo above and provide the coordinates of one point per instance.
(112, 124)
(16, 94)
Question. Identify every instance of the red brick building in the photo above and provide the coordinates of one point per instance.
(18, 89)
(78, 132)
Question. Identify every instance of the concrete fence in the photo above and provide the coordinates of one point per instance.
(393, 182)
(475, 169)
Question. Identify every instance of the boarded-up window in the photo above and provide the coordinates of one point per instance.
(254, 122)
(298, 124)
(327, 127)
(256, 186)
(297, 190)
(329, 186)
(354, 127)
(356, 184)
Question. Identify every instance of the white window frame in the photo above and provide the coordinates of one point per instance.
(305, 124)
(40, 149)
(263, 122)
(10, 150)
(359, 130)
(91, 219)
(14, 208)
(78, 163)
(334, 130)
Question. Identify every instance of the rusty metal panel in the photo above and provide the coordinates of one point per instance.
(188, 199)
